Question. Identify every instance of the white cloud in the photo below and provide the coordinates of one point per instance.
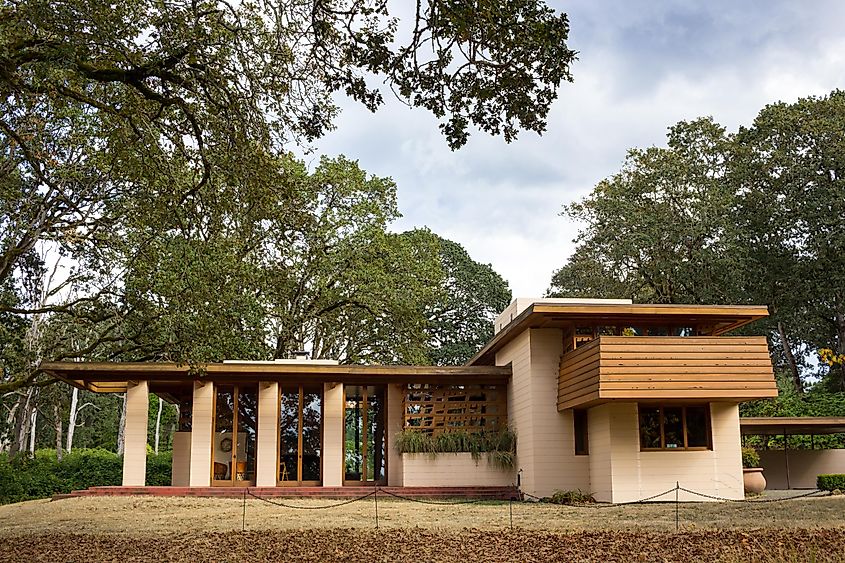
(643, 66)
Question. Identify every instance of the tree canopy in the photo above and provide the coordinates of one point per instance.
(755, 216)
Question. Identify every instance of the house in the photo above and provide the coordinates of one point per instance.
(619, 399)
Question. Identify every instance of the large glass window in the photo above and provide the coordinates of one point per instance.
(300, 435)
(674, 427)
(365, 459)
(235, 431)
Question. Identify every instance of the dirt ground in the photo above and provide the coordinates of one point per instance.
(195, 529)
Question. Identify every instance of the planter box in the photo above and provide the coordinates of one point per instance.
(453, 470)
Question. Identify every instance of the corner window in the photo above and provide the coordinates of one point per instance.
(674, 427)
(582, 445)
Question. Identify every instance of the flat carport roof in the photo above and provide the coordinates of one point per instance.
(791, 425)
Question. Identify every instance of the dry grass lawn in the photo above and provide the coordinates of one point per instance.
(158, 515)
(196, 529)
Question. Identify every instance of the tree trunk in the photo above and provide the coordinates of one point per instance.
(57, 413)
(23, 429)
(840, 347)
(790, 360)
(122, 427)
(7, 436)
(16, 416)
(158, 423)
(71, 419)
(32, 428)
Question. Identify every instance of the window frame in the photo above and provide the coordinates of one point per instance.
(683, 407)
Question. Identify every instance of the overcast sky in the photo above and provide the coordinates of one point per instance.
(642, 67)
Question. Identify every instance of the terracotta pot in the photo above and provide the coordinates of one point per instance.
(753, 480)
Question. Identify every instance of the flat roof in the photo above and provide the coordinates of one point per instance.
(790, 425)
(114, 377)
(723, 318)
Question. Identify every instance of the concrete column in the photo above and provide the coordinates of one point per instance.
(333, 420)
(395, 422)
(267, 443)
(135, 435)
(202, 421)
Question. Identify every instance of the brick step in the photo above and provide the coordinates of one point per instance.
(488, 493)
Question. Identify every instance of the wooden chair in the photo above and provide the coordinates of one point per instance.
(220, 470)
(240, 471)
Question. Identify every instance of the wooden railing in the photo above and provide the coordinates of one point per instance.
(728, 368)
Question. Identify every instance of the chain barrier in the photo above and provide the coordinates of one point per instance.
(520, 496)
(335, 505)
(600, 506)
(434, 502)
(814, 492)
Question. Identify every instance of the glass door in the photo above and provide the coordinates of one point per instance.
(235, 431)
(365, 462)
(300, 435)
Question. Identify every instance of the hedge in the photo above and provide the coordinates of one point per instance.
(831, 481)
(40, 476)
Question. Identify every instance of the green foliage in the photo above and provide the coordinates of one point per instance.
(752, 217)
(82, 468)
(750, 458)
(571, 497)
(460, 319)
(149, 145)
(831, 481)
(159, 469)
(500, 447)
(815, 402)
(40, 476)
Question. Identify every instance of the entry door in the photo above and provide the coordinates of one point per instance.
(235, 430)
(365, 462)
(300, 435)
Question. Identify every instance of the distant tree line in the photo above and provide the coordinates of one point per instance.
(755, 216)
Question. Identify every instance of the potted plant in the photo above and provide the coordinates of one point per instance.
(752, 474)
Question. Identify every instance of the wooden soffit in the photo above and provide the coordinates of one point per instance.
(722, 319)
(114, 377)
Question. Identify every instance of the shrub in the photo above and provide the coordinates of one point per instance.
(831, 481)
(572, 497)
(500, 447)
(750, 458)
(83, 468)
(158, 469)
(30, 477)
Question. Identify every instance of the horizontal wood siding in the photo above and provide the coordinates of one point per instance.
(666, 368)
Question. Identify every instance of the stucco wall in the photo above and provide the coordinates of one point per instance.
(545, 437)
(804, 467)
(135, 435)
(201, 430)
(180, 471)
(626, 474)
(333, 435)
(452, 470)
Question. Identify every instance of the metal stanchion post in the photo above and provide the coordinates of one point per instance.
(243, 522)
(677, 505)
(510, 510)
(376, 497)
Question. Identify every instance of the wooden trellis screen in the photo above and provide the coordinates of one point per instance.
(441, 408)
